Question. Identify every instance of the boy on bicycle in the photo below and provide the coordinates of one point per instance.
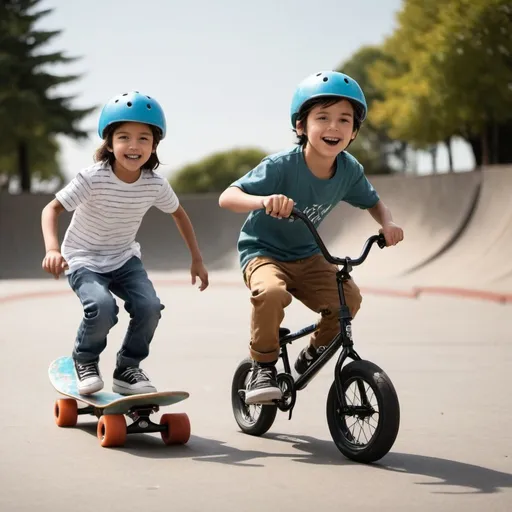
(279, 258)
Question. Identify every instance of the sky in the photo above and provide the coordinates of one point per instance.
(224, 71)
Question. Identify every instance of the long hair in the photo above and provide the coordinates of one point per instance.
(103, 154)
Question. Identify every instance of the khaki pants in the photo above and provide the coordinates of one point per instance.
(273, 284)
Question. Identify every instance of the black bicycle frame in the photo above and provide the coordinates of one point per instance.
(344, 337)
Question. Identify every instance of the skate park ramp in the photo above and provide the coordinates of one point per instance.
(432, 210)
(458, 231)
(482, 255)
(458, 234)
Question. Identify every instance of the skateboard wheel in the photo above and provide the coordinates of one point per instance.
(111, 430)
(178, 428)
(65, 412)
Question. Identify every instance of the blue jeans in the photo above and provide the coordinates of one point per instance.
(131, 284)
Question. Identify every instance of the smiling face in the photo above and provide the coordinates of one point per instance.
(132, 145)
(329, 128)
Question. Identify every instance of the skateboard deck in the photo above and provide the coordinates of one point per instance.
(63, 378)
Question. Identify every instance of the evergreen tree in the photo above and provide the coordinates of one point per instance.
(31, 108)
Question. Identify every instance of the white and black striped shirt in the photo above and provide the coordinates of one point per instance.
(108, 214)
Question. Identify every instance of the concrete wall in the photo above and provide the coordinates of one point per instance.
(22, 247)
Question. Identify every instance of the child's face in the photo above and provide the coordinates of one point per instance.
(330, 129)
(132, 145)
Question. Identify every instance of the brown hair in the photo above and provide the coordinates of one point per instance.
(103, 154)
(324, 102)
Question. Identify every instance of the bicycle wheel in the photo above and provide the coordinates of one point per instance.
(365, 430)
(252, 419)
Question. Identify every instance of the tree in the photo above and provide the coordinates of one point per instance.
(43, 156)
(372, 147)
(28, 94)
(216, 172)
(454, 74)
(403, 110)
(474, 54)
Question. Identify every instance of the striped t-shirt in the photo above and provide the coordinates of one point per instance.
(108, 213)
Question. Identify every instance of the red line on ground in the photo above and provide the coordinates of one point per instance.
(32, 295)
(413, 293)
(503, 298)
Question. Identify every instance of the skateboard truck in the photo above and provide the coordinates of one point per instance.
(141, 421)
(139, 415)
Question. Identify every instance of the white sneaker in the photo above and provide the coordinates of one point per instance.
(88, 378)
(132, 381)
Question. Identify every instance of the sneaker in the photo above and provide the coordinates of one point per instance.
(132, 381)
(88, 377)
(262, 386)
(307, 357)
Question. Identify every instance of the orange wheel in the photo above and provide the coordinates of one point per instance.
(112, 430)
(65, 412)
(178, 428)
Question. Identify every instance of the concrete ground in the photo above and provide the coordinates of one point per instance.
(449, 359)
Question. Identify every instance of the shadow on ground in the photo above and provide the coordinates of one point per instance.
(309, 450)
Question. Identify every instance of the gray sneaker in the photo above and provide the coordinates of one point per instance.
(262, 386)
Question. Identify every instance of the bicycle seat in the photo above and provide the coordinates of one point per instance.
(283, 331)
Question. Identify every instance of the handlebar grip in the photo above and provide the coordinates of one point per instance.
(381, 242)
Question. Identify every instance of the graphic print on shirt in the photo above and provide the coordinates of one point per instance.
(316, 212)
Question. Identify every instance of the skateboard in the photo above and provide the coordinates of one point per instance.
(111, 409)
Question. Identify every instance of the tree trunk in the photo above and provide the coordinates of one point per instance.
(403, 155)
(476, 146)
(500, 145)
(433, 154)
(23, 166)
(448, 143)
(485, 147)
(495, 143)
(504, 146)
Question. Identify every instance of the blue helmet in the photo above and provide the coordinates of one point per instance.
(132, 106)
(327, 83)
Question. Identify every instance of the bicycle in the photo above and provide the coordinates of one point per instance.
(363, 374)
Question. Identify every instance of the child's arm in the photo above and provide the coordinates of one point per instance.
(186, 230)
(236, 200)
(382, 214)
(53, 262)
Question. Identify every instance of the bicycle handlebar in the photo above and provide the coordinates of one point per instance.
(378, 239)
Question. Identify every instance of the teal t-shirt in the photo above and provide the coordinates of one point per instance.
(287, 173)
